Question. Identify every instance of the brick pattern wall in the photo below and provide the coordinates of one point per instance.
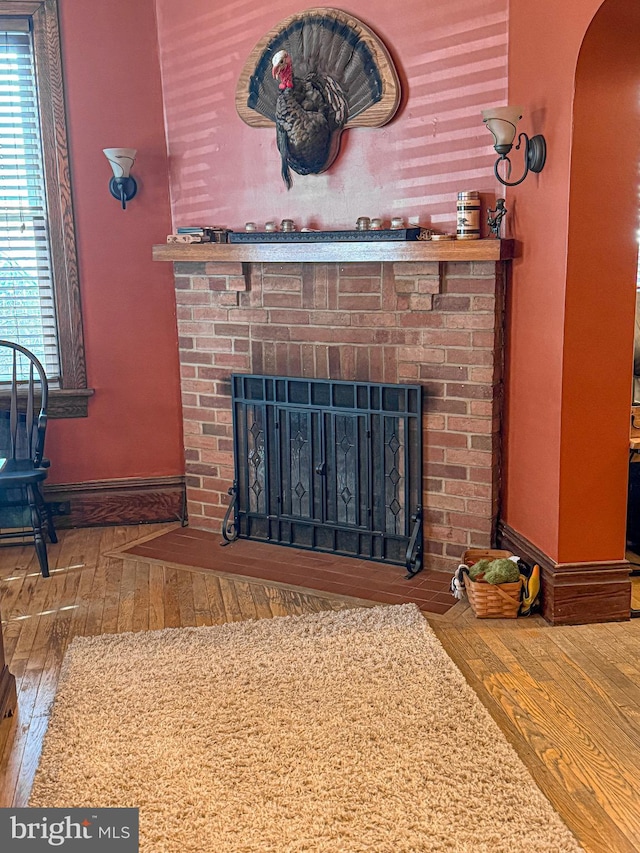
(434, 324)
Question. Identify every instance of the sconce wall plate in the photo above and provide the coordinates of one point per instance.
(124, 189)
(536, 153)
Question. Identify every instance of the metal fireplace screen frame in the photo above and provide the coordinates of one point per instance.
(329, 465)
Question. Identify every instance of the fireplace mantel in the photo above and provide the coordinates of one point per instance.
(421, 313)
(337, 252)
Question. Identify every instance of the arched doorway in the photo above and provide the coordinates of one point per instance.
(603, 248)
(571, 303)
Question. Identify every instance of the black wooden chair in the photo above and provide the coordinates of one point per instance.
(23, 467)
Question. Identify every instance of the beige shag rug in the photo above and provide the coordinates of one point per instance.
(348, 732)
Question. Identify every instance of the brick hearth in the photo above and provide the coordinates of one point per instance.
(429, 322)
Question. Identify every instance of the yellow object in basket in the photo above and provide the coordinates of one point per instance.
(531, 589)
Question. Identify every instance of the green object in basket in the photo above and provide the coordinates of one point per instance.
(502, 570)
(478, 569)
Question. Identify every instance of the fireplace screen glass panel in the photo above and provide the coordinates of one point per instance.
(333, 466)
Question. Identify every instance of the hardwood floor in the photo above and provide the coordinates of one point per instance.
(568, 698)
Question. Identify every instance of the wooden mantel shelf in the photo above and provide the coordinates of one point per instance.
(337, 252)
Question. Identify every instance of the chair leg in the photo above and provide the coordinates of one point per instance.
(51, 530)
(38, 538)
(45, 513)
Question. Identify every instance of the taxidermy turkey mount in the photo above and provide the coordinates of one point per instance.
(312, 76)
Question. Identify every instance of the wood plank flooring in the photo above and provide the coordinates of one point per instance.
(568, 699)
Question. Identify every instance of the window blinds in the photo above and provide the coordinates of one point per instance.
(27, 310)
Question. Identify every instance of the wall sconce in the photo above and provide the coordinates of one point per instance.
(501, 121)
(122, 186)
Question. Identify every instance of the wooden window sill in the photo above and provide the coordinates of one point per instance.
(69, 402)
(64, 402)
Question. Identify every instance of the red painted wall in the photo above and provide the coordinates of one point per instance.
(113, 98)
(572, 296)
(451, 57)
(219, 166)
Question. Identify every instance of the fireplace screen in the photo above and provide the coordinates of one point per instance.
(328, 465)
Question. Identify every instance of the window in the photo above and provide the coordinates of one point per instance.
(39, 293)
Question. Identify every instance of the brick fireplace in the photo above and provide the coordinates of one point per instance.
(419, 314)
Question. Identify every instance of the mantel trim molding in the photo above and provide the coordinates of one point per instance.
(338, 252)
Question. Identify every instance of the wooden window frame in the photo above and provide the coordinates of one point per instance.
(70, 400)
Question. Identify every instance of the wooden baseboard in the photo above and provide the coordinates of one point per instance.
(125, 501)
(575, 593)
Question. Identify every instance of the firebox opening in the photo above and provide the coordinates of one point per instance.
(329, 465)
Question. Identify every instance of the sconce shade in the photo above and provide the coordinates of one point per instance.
(121, 160)
(502, 121)
(121, 186)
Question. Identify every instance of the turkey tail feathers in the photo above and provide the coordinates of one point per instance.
(319, 44)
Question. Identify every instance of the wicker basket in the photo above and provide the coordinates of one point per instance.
(493, 600)
(488, 600)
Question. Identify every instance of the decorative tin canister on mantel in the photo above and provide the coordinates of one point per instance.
(468, 211)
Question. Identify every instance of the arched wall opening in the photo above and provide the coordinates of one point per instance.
(571, 303)
(602, 252)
